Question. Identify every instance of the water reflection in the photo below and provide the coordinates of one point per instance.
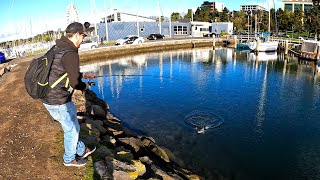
(208, 58)
(263, 56)
(261, 105)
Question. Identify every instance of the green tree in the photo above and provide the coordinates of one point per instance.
(239, 21)
(225, 15)
(188, 15)
(202, 14)
(175, 16)
(297, 19)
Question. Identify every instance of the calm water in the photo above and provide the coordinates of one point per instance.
(270, 109)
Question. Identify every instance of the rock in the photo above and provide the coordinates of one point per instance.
(101, 169)
(113, 125)
(108, 140)
(91, 98)
(90, 141)
(146, 160)
(114, 132)
(98, 111)
(140, 168)
(123, 166)
(124, 156)
(162, 173)
(147, 142)
(103, 152)
(161, 153)
(109, 116)
(96, 125)
(134, 143)
(113, 140)
(121, 175)
(99, 122)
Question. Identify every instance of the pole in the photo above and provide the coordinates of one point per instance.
(159, 17)
(248, 26)
(138, 32)
(170, 26)
(191, 15)
(269, 19)
(255, 25)
(106, 21)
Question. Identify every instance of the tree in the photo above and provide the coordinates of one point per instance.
(202, 14)
(188, 15)
(225, 15)
(175, 16)
(239, 21)
(297, 19)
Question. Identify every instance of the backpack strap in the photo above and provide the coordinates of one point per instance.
(60, 79)
(65, 75)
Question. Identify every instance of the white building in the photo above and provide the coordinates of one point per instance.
(201, 29)
(252, 8)
(291, 5)
(117, 16)
(213, 5)
(219, 6)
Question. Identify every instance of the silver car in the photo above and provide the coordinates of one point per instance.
(131, 39)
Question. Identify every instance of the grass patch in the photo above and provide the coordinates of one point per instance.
(84, 173)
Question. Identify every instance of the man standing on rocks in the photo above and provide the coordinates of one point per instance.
(59, 102)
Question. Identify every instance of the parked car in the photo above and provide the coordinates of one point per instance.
(300, 38)
(88, 44)
(131, 39)
(2, 57)
(155, 36)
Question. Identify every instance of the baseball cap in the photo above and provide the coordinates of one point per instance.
(77, 27)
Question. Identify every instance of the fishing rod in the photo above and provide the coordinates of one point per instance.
(130, 75)
(136, 75)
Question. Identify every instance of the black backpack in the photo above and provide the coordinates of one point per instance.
(36, 79)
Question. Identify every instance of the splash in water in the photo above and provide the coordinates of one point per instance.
(203, 120)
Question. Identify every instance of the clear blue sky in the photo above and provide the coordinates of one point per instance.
(36, 16)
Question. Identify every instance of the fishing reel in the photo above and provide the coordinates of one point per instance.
(92, 83)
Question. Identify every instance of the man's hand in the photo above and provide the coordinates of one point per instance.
(89, 76)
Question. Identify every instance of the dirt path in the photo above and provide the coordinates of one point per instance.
(30, 141)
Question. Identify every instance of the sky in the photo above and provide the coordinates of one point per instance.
(22, 18)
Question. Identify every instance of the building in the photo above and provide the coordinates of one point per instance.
(126, 17)
(117, 30)
(291, 5)
(202, 29)
(213, 5)
(252, 8)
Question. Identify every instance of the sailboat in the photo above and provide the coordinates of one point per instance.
(267, 46)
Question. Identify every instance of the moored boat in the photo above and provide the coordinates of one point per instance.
(309, 50)
(267, 46)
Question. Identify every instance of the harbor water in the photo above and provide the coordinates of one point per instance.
(223, 113)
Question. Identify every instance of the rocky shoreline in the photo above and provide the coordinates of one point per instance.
(122, 154)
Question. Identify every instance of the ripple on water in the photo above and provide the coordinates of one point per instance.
(203, 120)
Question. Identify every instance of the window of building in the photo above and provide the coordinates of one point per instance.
(297, 6)
(180, 30)
(288, 7)
(118, 16)
(307, 6)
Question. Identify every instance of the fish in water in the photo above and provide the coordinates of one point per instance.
(201, 131)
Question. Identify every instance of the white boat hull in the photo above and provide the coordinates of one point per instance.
(264, 47)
